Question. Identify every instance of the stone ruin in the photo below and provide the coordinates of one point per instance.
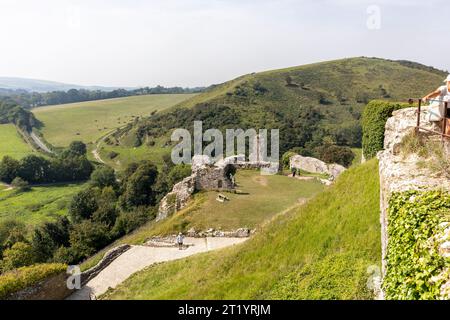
(314, 165)
(205, 176)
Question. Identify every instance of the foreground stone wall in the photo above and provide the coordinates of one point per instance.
(399, 173)
(52, 288)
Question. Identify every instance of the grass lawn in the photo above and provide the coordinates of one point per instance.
(88, 121)
(321, 250)
(38, 205)
(11, 143)
(134, 154)
(261, 198)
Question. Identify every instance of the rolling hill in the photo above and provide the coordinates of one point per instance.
(307, 103)
(322, 250)
(34, 85)
(88, 121)
(11, 143)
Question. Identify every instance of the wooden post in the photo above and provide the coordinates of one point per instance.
(444, 125)
(418, 115)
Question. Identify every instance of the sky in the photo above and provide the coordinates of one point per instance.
(201, 42)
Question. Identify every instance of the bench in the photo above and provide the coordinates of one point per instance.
(222, 198)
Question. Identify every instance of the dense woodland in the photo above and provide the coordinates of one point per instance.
(107, 208)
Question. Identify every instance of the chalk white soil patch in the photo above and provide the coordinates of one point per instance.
(139, 257)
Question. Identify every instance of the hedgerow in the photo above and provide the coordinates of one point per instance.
(374, 120)
(24, 277)
(414, 266)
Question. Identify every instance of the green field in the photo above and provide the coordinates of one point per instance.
(88, 121)
(260, 199)
(41, 204)
(11, 143)
(321, 250)
(128, 155)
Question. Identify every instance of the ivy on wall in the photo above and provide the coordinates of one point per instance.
(414, 266)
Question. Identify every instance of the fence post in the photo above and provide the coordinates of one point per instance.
(444, 125)
(418, 115)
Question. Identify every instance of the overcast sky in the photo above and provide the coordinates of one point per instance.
(201, 42)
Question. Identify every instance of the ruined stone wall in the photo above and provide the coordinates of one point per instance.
(314, 165)
(399, 172)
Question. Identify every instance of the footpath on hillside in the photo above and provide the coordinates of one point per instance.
(139, 257)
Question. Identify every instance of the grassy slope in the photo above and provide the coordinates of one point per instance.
(349, 78)
(11, 143)
(39, 205)
(346, 77)
(262, 198)
(320, 251)
(94, 119)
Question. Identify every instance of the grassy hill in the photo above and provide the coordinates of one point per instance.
(11, 143)
(259, 200)
(307, 103)
(321, 250)
(88, 121)
(40, 204)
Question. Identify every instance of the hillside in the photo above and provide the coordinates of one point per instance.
(11, 143)
(35, 85)
(88, 121)
(321, 251)
(260, 199)
(308, 103)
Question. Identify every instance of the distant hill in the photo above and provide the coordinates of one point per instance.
(309, 104)
(33, 85)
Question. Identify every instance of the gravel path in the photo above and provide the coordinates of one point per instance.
(139, 257)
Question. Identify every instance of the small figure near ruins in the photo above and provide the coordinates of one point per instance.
(180, 239)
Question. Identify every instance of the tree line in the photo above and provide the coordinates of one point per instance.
(109, 207)
(35, 99)
(69, 165)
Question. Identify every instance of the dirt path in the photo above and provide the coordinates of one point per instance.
(139, 257)
(40, 144)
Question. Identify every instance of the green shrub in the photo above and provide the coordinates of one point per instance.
(19, 255)
(22, 278)
(20, 184)
(285, 159)
(413, 260)
(374, 120)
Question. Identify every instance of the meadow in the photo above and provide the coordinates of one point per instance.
(11, 143)
(259, 199)
(322, 250)
(89, 121)
(39, 205)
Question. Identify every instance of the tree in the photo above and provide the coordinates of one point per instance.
(139, 189)
(20, 184)
(285, 159)
(9, 169)
(103, 177)
(335, 154)
(47, 238)
(87, 237)
(84, 204)
(128, 221)
(19, 255)
(34, 169)
(106, 212)
(11, 231)
(178, 173)
(76, 149)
